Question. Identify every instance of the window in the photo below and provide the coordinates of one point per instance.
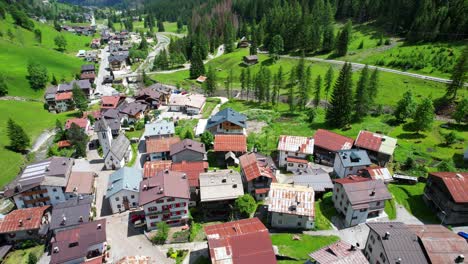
(153, 216)
(54, 189)
(370, 248)
(57, 198)
(301, 166)
(300, 216)
(286, 153)
(152, 208)
(363, 210)
(378, 204)
(117, 199)
(354, 218)
(290, 164)
(74, 244)
(132, 196)
(170, 199)
(280, 222)
(299, 223)
(134, 204)
(160, 201)
(119, 206)
(382, 257)
(177, 205)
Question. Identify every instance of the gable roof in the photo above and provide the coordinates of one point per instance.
(88, 67)
(298, 144)
(187, 144)
(133, 108)
(402, 243)
(220, 185)
(376, 142)
(70, 213)
(235, 143)
(63, 96)
(227, 115)
(110, 102)
(126, 178)
(192, 169)
(245, 241)
(254, 168)
(31, 219)
(317, 179)
(151, 168)
(361, 193)
(332, 141)
(68, 87)
(80, 183)
(456, 183)
(339, 253)
(353, 157)
(81, 122)
(101, 125)
(119, 146)
(159, 128)
(158, 145)
(165, 184)
(85, 235)
(150, 93)
(378, 173)
(291, 199)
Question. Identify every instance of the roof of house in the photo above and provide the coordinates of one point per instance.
(101, 125)
(87, 75)
(235, 143)
(22, 219)
(254, 166)
(80, 182)
(88, 67)
(245, 241)
(149, 92)
(251, 57)
(165, 184)
(133, 108)
(126, 178)
(220, 185)
(63, 143)
(161, 88)
(84, 235)
(120, 146)
(400, 244)
(361, 193)
(456, 183)
(63, 96)
(201, 78)
(67, 87)
(159, 128)
(227, 115)
(112, 114)
(70, 213)
(376, 142)
(158, 145)
(195, 101)
(291, 199)
(353, 157)
(51, 90)
(192, 169)
(304, 145)
(109, 102)
(81, 122)
(318, 179)
(441, 244)
(96, 114)
(118, 57)
(188, 144)
(151, 168)
(379, 173)
(339, 253)
(332, 141)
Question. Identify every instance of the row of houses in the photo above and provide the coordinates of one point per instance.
(80, 30)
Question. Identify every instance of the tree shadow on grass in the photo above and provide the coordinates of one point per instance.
(418, 208)
(459, 161)
(267, 62)
(411, 136)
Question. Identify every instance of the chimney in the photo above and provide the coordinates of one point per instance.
(352, 248)
(56, 249)
(387, 235)
(145, 187)
(166, 171)
(81, 219)
(460, 258)
(99, 226)
(372, 193)
(20, 222)
(64, 219)
(184, 176)
(398, 261)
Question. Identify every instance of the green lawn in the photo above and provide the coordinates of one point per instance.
(411, 197)
(390, 209)
(172, 27)
(34, 119)
(210, 104)
(21, 256)
(300, 249)
(324, 211)
(139, 26)
(184, 125)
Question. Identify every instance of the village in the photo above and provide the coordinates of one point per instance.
(168, 175)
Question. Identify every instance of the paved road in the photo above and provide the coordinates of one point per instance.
(104, 89)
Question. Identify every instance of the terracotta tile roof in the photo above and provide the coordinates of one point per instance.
(234, 143)
(80, 182)
(31, 218)
(192, 169)
(291, 199)
(332, 141)
(108, 102)
(64, 143)
(244, 241)
(262, 190)
(152, 167)
(253, 169)
(375, 142)
(302, 145)
(339, 253)
(457, 184)
(296, 160)
(160, 144)
(81, 122)
(378, 173)
(441, 245)
(164, 184)
(63, 96)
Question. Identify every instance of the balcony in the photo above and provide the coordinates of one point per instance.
(38, 200)
(36, 192)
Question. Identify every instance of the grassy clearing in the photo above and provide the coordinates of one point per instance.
(172, 27)
(140, 26)
(134, 147)
(324, 211)
(390, 209)
(411, 197)
(34, 119)
(210, 104)
(300, 249)
(21, 256)
(184, 125)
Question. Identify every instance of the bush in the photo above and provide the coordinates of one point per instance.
(246, 204)
(194, 229)
(27, 244)
(450, 138)
(387, 42)
(162, 233)
(361, 45)
(32, 259)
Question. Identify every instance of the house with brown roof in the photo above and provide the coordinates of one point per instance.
(111, 102)
(250, 60)
(165, 197)
(294, 152)
(151, 168)
(379, 147)
(192, 169)
(258, 172)
(164, 90)
(291, 206)
(81, 184)
(192, 104)
(393, 242)
(447, 193)
(356, 199)
(26, 224)
(239, 242)
(88, 72)
(151, 97)
(82, 244)
(340, 252)
(229, 147)
(188, 150)
(134, 111)
(160, 148)
(327, 143)
(71, 213)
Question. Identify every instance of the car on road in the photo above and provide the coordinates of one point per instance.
(139, 223)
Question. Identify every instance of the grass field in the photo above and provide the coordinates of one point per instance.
(390, 209)
(139, 26)
(34, 119)
(324, 211)
(300, 249)
(210, 104)
(21, 256)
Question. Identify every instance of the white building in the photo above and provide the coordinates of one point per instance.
(119, 153)
(104, 133)
(123, 189)
(294, 151)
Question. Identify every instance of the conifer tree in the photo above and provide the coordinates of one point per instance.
(248, 82)
(328, 81)
(3, 86)
(458, 75)
(161, 26)
(78, 140)
(210, 83)
(406, 107)
(19, 140)
(243, 81)
(340, 110)
(196, 66)
(424, 115)
(373, 87)
(461, 112)
(318, 90)
(328, 40)
(79, 98)
(228, 37)
(276, 47)
(361, 99)
(343, 40)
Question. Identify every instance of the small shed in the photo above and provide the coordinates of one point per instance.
(250, 60)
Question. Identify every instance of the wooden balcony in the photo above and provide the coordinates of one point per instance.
(38, 200)
(31, 193)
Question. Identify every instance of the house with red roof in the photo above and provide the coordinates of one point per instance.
(258, 172)
(294, 152)
(26, 224)
(64, 102)
(244, 241)
(151, 168)
(193, 169)
(327, 143)
(111, 102)
(165, 197)
(229, 147)
(160, 148)
(83, 123)
(447, 194)
(379, 147)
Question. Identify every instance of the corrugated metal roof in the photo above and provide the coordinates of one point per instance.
(159, 128)
(332, 141)
(354, 157)
(457, 184)
(298, 144)
(365, 192)
(291, 199)
(159, 145)
(376, 142)
(339, 253)
(125, 178)
(192, 169)
(152, 167)
(220, 185)
(379, 173)
(317, 179)
(253, 168)
(31, 218)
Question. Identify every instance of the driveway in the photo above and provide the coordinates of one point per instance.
(104, 89)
